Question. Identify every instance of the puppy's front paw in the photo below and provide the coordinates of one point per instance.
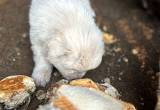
(41, 76)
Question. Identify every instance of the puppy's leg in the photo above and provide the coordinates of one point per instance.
(42, 69)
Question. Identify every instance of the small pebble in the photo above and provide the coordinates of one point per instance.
(119, 79)
(121, 73)
(119, 60)
(104, 28)
(14, 59)
(24, 35)
(134, 51)
(125, 59)
(18, 54)
(117, 49)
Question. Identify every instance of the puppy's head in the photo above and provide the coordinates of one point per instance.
(73, 53)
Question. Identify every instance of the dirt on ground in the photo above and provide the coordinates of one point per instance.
(130, 61)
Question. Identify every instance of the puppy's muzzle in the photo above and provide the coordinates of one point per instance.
(74, 75)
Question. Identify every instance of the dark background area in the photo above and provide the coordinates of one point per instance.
(132, 73)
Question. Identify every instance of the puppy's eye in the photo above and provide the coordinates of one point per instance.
(67, 52)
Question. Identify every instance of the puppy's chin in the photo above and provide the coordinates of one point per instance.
(76, 75)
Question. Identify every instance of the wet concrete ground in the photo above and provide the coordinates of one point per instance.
(131, 63)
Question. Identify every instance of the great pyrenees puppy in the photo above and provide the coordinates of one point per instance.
(63, 33)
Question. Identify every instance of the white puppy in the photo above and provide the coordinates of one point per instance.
(64, 33)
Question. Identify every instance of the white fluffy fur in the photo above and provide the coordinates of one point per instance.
(64, 33)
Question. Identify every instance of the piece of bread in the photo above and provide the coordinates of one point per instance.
(84, 83)
(84, 94)
(109, 38)
(15, 89)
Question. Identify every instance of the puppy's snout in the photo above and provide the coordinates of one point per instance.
(81, 74)
(74, 75)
